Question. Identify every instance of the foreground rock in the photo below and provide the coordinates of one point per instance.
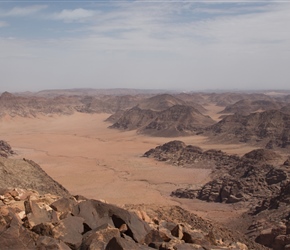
(52, 222)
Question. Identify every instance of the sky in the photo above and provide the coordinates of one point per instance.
(154, 44)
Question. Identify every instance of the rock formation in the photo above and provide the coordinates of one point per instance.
(5, 149)
(269, 128)
(246, 106)
(178, 120)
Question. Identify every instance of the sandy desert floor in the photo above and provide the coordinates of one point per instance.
(86, 157)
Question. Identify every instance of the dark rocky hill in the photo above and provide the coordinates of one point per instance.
(180, 154)
(134, 118)
(269, 128)
(165, 101)
(160, 102)
(246, 106)
(179, 120)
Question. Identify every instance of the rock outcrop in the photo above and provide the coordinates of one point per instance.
(178, 153)
(5, 149)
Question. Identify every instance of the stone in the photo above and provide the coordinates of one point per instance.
(70, 230)
(45, 243)
(177, 231)
(97, 213)
(118, 243)
(99, 237)
(266, 238)
(35, 214)
(15, 236)
(187, 246)
(63, 205)
(156, 236)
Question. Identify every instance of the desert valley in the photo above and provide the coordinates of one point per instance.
(129, 169)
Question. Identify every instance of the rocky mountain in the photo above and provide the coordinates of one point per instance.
(165, 101)
(178, 120)
(134, 118)
(160, 102)
(246, 106)
(269, 128)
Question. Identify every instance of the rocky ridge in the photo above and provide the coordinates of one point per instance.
(26, 174)
(259, 181)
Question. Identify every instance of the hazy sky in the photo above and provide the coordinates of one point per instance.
(190, 45)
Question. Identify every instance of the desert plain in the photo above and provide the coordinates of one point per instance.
(88, 158)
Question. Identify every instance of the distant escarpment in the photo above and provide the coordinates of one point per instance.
(269, 128)
(178, 120)
(32, 106)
